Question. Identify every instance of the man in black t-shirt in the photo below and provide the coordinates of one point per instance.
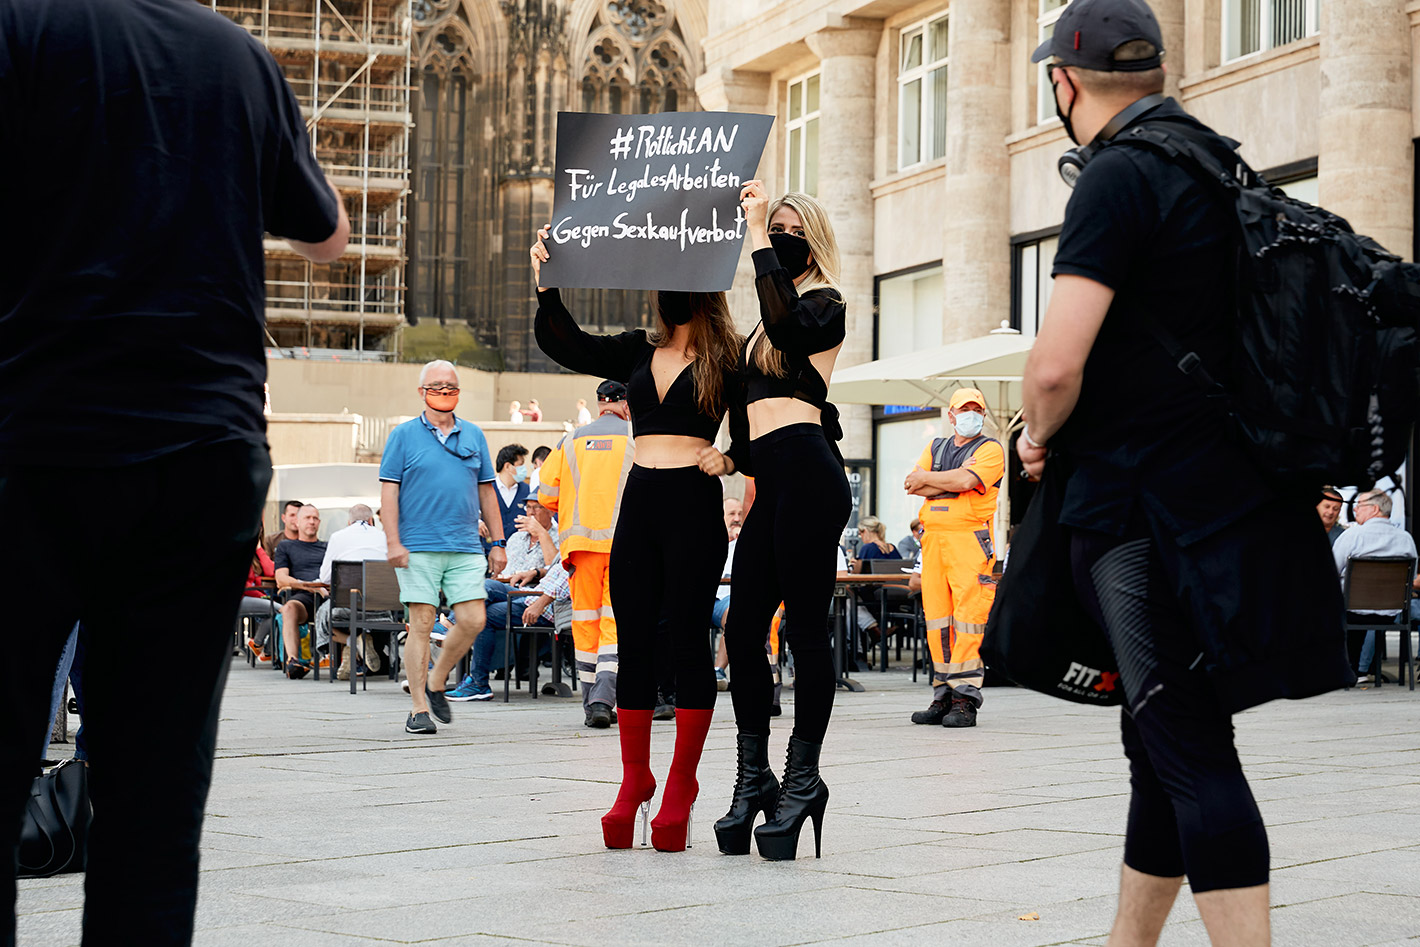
(1178, 544)
(149, 146)
(288, 530)
(298, 563)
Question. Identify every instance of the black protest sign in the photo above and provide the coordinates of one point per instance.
(651, 201)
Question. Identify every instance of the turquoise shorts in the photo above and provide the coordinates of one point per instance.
(459, 574)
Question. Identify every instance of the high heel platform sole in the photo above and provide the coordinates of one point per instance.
(734, 841)
(618, 834)
(786, 847)
(673, 838)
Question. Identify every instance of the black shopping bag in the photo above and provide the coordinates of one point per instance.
(1038, 633)
(54, 836)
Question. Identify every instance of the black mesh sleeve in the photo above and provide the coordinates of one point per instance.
(801, 325)
(563, 341)
(737, 413)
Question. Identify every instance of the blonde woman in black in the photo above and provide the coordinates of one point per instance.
(669, 545)
(784, 433)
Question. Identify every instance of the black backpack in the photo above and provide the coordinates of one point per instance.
(1323, 380)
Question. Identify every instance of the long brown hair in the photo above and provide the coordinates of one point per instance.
(714, 344)
(821, 274)
(260, 541)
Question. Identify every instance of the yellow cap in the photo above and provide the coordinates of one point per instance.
(966, 396)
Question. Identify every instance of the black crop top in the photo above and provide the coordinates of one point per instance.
(625, 357)
(798, 326)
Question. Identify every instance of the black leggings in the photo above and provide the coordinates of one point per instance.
(666, 559)
(787, 552)
(1191, 811)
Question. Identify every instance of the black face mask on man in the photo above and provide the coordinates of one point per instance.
(674, 306)
(793, 252)
(1059, 112)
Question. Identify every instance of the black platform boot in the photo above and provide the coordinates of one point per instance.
(756, 791)
(802, 796)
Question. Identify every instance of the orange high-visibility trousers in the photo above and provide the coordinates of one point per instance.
(771, 648)
(957, 591)
(593, 626)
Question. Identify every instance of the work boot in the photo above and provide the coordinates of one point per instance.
(598, 716)
(963, 713)
(934, 713)
(665, 706)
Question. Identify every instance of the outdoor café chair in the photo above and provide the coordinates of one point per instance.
(1381, 584)
(370, 587)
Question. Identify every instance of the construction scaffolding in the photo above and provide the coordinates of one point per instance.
(349, 63)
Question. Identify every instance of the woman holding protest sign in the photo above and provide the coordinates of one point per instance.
(677, 376)
(784, 433)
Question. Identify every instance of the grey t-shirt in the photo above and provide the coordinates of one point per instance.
(302, 558)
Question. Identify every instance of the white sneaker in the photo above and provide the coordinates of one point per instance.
(404, 685)
(373, 663)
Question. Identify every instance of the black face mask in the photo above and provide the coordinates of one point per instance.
(674, 306)
(1065, 119)
(792, 251)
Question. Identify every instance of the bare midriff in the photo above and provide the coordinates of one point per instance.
(770, 414)
(669, 450)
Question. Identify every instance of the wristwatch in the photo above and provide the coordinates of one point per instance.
(498, 543)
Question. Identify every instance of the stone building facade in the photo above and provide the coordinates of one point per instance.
(490, 77)
(933, 141)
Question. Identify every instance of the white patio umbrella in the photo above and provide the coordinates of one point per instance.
(993, 363)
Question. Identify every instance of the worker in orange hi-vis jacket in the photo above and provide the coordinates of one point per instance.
(581, 481)
(959, 477)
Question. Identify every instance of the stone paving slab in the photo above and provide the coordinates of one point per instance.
(328, 825)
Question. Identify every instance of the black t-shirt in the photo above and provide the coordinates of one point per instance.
(147, 146)
(302, 558)
(1141, 431)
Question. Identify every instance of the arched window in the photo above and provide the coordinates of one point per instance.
(440, 268)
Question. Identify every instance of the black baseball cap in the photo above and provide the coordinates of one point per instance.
(1089, 31)
(611, 391)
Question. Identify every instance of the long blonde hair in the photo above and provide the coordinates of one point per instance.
(713, 344)
(821, 274)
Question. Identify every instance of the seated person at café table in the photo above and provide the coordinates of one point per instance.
(298, 577)
(529, 550)
(360, 541)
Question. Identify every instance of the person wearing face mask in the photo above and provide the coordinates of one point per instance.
(678, 377)
(436, 483)
(785, 433)
(958, 478)
(512, 484)
(1212, 600)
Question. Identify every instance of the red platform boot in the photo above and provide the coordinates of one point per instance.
(670, 828)
(637, 783)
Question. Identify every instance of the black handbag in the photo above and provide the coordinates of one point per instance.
(1038, 633)
(55, 834)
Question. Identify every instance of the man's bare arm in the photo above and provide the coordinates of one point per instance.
(934, 483)
(1056, 365)
(329, 249)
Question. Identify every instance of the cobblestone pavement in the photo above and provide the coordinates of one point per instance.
(328, 825)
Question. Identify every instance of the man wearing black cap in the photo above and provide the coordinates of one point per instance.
(1183, 577)
(582, 482)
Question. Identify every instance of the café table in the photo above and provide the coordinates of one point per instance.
(843, 599)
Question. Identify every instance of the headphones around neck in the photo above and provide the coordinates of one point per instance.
(1072, 162)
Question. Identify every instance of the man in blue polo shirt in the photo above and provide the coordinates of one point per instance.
(436, 481)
